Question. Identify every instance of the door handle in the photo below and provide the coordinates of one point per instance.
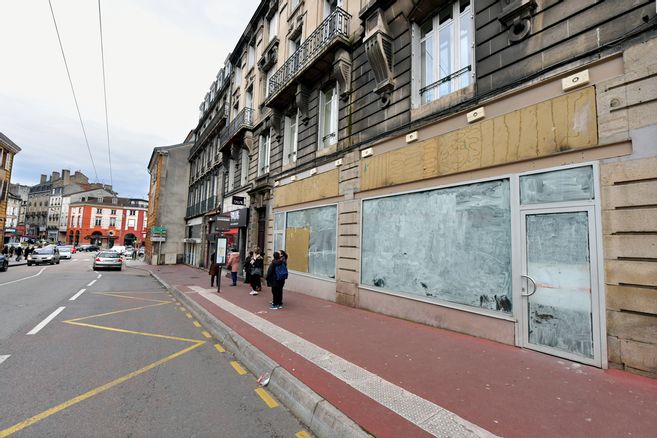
(528, 280)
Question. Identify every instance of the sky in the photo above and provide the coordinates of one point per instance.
(161, 57)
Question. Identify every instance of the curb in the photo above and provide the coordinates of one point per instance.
(320, 416)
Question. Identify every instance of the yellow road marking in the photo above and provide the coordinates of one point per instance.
(206, 334)
(268, 399)
(240, 370)
(117, 312)
(197, 324)
(188, 315)
(121, 295)
(219, 348)
(113, 329)
(302, 434)
(45, 414)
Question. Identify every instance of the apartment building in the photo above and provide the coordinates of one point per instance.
(485, 166)
(8, 149)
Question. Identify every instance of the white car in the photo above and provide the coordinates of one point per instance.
(64, 252)
(118, 248)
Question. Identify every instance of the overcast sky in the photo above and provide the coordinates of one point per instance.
(160, 57)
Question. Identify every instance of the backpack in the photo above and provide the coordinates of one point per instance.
(281, 271)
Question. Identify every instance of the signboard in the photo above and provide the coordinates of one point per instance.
(158, 239)
(222, 223)
(239, 200)
(158, 230)
(239, 218)
(222, 244)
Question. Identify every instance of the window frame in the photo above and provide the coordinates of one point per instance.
(244, 167)
(264, 153)
(332, 135)
(231, 174)
(291, 142)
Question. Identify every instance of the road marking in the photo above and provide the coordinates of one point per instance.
(182, 309)
(80, 292)
(43, 323)
(206, 334)
(92, 283)
(99, 275)
(268, 399)
(47, 413)
(197, 324)
(219, 348)
(25, 278)
(4, 357)
(240, 370)
(188, 315)
(302, 434)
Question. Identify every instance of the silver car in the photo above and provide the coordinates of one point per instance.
(108, 260)
(64, 252)
(49, 254)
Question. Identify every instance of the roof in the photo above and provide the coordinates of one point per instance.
(7, 143)
(160, 149)
(106, 201)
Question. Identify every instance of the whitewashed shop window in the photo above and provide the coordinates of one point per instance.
(451, 244)
(443, 52)
(244, 170)
(290, 139)
(328, 118)
(231, 174)
(310, 240)
(279, 231)
(263, 154)
(574, 184)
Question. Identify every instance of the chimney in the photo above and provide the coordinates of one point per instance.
(66, 174)
(55, 176)
(44, 179)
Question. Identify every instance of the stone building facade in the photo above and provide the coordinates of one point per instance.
(8, 150)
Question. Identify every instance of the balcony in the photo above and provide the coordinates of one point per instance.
(311, 60)
(217, 122)
(242, 121)
(201, 208)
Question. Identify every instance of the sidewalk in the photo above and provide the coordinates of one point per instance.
(398, 378)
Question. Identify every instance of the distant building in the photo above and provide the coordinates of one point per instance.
(11, 221)
(23, 192)
(7, 151)
(107, 221)
(169, 170)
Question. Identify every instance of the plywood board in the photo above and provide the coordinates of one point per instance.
(297, 241)
(321, 186)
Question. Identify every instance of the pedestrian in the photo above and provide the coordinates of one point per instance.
(257, 266)
(5, 251)
(233, 264)
(214, 269)
(11, 251)
(19, 253)
(276, 276)
(247, 268)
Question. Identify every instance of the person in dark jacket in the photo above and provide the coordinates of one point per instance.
(276, 284)
(19, 253)
(214, 269)
(257, 267)
(247, 268)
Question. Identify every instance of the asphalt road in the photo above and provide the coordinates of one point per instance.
(120, 358)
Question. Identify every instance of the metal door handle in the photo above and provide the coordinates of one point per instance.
(533, 282)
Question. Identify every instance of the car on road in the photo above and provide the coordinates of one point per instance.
(4, 263)
(49, 254)
(129, 251)
(64, 252)
(88, 248)
(118, 248)
(108, 260)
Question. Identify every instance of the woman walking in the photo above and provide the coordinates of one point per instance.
(233, 264)
(257, 266)
(276, 276)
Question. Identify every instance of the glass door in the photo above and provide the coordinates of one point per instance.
(559, 283)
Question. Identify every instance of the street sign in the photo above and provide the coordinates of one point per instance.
(158, 239)
(158, 230)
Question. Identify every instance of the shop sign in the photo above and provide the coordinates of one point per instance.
(239, 200)
(10, 230)
(222, 222)
(239, 218)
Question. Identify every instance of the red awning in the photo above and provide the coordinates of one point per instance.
(231, 231)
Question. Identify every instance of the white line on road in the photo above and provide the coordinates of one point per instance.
(91, 284)
(99, 275)
(25, 278)
(4, 357)
(80, 292)
(43, 323)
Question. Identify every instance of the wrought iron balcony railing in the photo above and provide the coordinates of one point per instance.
(243, 120)
(333, 27)
(219, 119)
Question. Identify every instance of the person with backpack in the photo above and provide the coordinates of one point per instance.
(276, 276)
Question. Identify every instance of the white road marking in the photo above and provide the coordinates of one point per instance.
(43, 323)
(419, 411)
(80, 292)
(25, 278)
(99, 275)
(4, 357)
(92, 283)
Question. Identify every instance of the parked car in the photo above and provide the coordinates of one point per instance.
(88, 248)
(108, 260)
(118, 248)
(49, 254)
(64, 252)
(141, 252)
(4, 263)
(129, 251)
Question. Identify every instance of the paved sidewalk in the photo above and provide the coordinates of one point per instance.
(398, 378)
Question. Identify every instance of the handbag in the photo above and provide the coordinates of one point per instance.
(256, 271)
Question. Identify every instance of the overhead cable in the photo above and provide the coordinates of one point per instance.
(102, 57)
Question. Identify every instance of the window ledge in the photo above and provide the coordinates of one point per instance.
(443, 103)
(289, 166)
(327, 150)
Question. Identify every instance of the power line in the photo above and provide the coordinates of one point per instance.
(70, 81)
(102, 57)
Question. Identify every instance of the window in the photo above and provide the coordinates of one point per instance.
(310, 238)
(294, 44)
(263, 155)
(231, 174)
(238, 76)
(446, 47)
(133, 212)
(248, 98)
(7, 164)
(273, 26)
(244, 173)
(98, 221)
(250, 57)
(328, 118)
(290, 139)
(270, 74)
(131, 223)
(112, 222)
(279, 231)
(113, 212)
(99, 211)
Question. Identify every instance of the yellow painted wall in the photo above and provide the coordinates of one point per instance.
(564, 123)
(321, 186)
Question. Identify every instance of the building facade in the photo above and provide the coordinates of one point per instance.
(169, 171)
(11, 218)
(23, 192)
(8, 149)
(107, 221)
(487, 167)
